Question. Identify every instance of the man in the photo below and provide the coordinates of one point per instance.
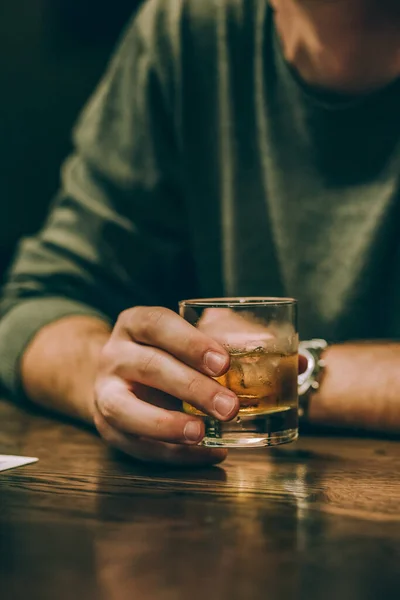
(231, 149)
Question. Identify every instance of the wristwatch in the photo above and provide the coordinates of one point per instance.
(309, 381)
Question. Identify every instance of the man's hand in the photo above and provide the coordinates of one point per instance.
(152, 362)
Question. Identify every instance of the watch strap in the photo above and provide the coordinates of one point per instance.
(309, 381)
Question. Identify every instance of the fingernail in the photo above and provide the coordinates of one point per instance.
(215, 362)
(192, 431)
(224, 405)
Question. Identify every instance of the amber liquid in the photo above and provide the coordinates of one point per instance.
(264, 382)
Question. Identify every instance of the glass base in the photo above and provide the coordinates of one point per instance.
(251, 440)
(253, 431)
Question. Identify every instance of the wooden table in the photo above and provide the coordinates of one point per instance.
(319, 519)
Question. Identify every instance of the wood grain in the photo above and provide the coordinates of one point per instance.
(315, 519)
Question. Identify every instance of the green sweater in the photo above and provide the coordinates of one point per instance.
(203, 167)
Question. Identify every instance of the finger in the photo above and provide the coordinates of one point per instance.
(126, 412)
(162, 328)
(302, 364)
(156, 397)
(151, 451)
(157, 369)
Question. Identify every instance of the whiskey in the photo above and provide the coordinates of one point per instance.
(265, 383)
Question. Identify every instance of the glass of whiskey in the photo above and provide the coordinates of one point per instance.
(261, 337)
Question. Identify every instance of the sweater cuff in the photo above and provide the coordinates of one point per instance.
(20, 325)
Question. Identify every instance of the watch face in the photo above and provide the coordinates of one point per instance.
(305, 379)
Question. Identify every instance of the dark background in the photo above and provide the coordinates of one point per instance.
(52, 53)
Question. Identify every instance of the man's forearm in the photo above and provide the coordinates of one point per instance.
(360, 388)
(59, 366)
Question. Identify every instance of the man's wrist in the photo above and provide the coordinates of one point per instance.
(60, 365)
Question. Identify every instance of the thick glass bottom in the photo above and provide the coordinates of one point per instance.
(251, 440)
(269, 429)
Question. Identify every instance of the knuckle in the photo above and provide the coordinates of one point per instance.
(107, 357)
(195, 386)
(110, 409)
(169, 427)
(195, 347)
(118, 359)
(148, 320)
(108, 403)
(148, 365)
(125, 317)
(161, 427)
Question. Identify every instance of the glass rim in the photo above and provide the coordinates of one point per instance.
(238, 302)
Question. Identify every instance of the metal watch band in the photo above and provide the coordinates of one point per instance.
(309, 381)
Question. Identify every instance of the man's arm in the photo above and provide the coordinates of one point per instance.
(360, 388)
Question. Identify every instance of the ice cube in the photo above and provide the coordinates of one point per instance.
(257, 372)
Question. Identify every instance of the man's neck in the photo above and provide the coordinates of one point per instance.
(349, 46)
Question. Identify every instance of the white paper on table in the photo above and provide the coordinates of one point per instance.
(11, 462)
